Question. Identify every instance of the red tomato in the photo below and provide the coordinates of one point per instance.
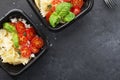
(48, 15)
(77, 3)
(30, 33)
(67, 0)
(20, 27)
(13, 24)
(22, 39)
(37, 42)
(33, 49)
(53, 8)
(54, 2)
(76, 10)
(25, 52)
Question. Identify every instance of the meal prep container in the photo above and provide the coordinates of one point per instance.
(85, 9)
(17, 69)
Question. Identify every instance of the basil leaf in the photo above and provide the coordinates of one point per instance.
(9, 27)
(54, 19)
(69, 17)
(63, 9)
(61, 14)
(15, 39)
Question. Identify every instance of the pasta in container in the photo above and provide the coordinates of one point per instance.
(18, 42)
(21, 42)
(58, 14)
(59, 11)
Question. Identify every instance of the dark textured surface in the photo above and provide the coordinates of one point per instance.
(89, 49)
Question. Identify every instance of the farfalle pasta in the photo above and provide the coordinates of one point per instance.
(8, 53)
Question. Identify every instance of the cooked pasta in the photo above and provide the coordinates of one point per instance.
(8, 53)
(44, 6)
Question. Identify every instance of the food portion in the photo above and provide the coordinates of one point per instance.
(19, 42)
(59, 11)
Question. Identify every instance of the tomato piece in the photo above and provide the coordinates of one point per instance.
(67, 0)
(37, 42)
(54, 2)
(30, 33)
(20, 26)
(22, 39)
(13, 24)
(76, 10)
(77, 3)
(25, 52)
(33, 49)
(53, 8)
(48, 15)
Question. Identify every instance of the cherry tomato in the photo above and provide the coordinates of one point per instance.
(67, 0)
(30, 33)
(77, 3)
(37, 42)
(48, 15)
(54, 2)
(50, 12)
(33, 49)
(53, 8)
(20, 27)
(22, 39)
(25, 52)
(13, 24)
(76, 10)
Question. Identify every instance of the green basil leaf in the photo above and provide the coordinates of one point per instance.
(54, 19)
(15, 39)
(69, 17)
(63, 9)
(9, 27)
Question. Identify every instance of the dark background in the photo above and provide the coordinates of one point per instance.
(88, 49)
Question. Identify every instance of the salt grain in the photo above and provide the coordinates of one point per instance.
(55, 38)
(13, 3)
(50, 44)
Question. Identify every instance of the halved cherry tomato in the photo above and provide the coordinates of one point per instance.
(54, 2)
(13, 24)
(25, 51)
(67, 0)
(77, 3)
(53, 8)
(48, 15)
(22, 39)
(30, 33)
(76, 10)
(37, 42)
(20, 27)
(33, 49)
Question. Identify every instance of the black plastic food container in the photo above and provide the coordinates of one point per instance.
(85, 9)
(17, 69)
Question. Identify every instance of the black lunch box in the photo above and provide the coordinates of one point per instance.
(85, 9)
(17, 69)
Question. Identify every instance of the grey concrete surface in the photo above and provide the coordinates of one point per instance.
(88, 49)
